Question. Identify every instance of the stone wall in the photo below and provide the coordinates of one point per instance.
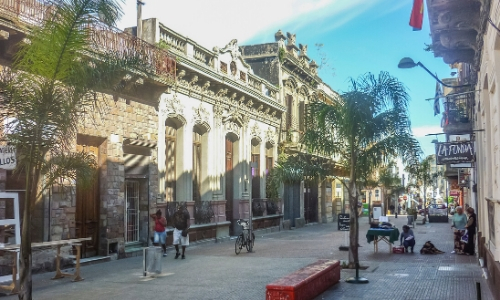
(113, 121)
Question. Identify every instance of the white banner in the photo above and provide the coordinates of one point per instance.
(7, 157)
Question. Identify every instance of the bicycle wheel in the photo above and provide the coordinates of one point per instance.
(250, 242)
(238, 245)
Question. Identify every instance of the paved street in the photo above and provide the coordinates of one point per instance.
(213, 271)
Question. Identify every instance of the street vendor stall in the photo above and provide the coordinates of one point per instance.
(388, 235)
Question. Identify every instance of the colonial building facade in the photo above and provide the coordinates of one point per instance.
(218, 128)
(286, 64)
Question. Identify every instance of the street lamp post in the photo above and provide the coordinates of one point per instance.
(407, 63)
(370, 207)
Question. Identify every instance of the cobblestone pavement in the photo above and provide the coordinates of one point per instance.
(213, 271)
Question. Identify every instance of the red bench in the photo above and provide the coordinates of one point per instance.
(305, 283)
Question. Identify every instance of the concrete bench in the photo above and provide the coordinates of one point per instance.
(305, 283)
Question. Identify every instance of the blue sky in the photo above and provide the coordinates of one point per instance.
(359, 36)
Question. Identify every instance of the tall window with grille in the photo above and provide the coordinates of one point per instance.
(302, 116)
(255, 169)
(132, 211)
(170, 154)
(269, 158)
(197, 148)
(289, 110)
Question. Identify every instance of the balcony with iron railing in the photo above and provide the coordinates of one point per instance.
(458, 112)
(23, 14)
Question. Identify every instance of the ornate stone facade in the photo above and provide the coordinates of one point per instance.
(288, 66)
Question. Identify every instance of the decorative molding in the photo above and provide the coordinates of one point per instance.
(235, 115)
(232, 127)
(271, 136)
(173, 108)
(201, 117)
(218, 113)
(255, 130)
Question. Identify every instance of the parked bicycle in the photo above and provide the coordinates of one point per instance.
(244, 239)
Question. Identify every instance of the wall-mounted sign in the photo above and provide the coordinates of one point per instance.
(454, 153)
(7, 157)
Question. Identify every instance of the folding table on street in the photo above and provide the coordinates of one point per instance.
(376, 235)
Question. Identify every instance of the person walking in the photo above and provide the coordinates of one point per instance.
(471, 232)
(458, 222)
(181, 226)
(407, 238)
(160, 235)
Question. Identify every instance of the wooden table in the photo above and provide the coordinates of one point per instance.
(12, 288)
(378, 234)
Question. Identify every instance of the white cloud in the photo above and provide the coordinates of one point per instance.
(422, 131)
(216, 22)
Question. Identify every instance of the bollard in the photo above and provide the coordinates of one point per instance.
(478, 290)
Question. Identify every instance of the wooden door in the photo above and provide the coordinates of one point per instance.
(229, 180)
(87, 210)
(170, 168)
(310, 201)
(256, 176)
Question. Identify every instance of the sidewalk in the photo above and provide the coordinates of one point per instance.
(213, 271)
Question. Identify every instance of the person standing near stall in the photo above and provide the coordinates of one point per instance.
(458, 222)
(471, 232)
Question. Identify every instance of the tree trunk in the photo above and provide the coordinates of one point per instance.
(354, 223)
(25, 279)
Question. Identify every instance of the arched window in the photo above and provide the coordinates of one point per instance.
(170, 159)
(232, 66)
(289, 111)
(302, 116)
(269, 158)
(197, 164)
(255, 168)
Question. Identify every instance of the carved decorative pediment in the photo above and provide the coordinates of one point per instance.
(233, 48)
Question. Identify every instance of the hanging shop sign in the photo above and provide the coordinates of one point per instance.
(454, 153)
(7, 157)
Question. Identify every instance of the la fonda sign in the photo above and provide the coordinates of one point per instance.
(7, 157)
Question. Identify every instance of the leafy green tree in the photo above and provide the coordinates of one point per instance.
(421, 170)
(364, 128)
(388, 181)
(50, 86)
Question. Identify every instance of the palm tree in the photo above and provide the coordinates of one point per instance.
(50, 86)
(366, 127)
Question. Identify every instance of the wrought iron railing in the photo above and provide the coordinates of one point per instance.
(203, 212)
(105, 38)
(258, 207)
(170, 210)
(458, 109)
(272, 208)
